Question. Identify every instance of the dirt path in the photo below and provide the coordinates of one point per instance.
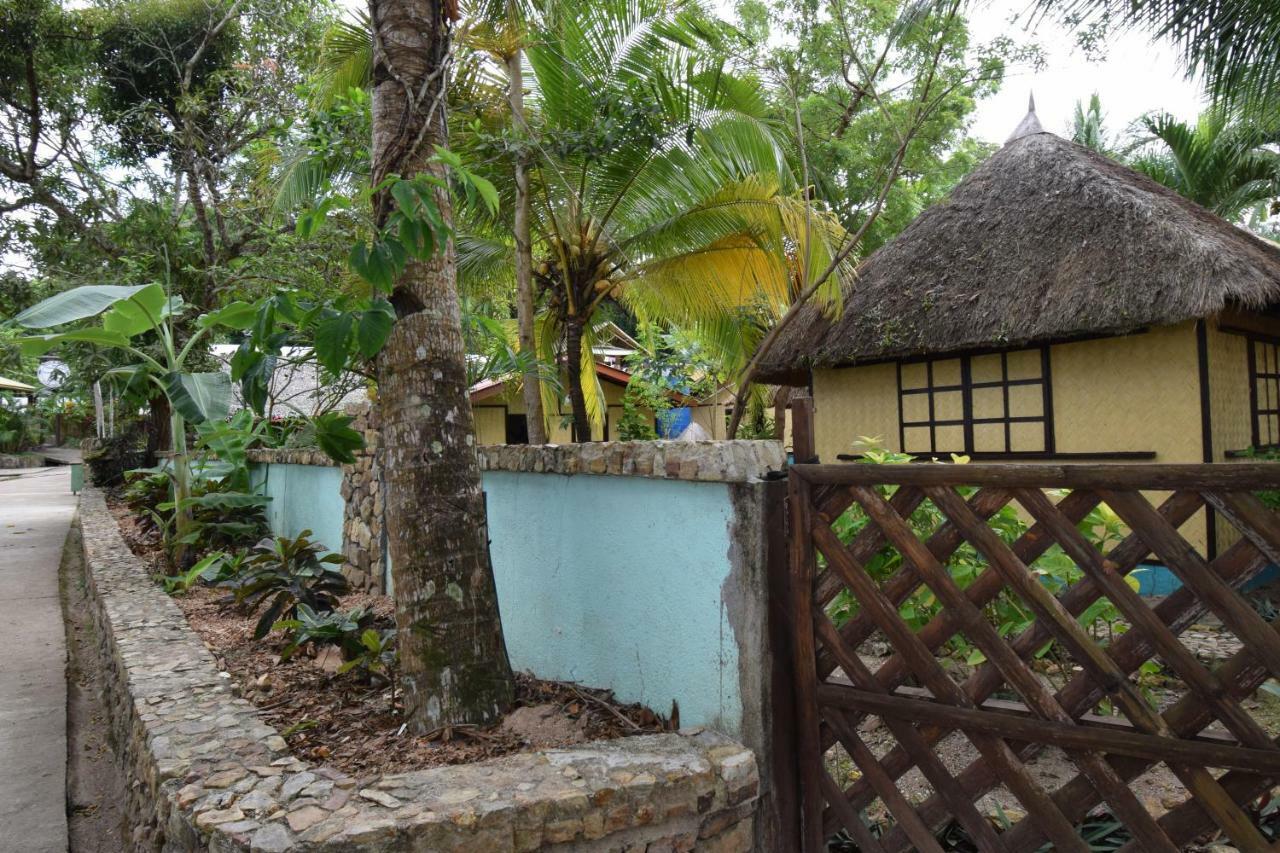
(96, 789)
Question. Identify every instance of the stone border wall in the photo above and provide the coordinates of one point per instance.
(207, 774)
(706, 461)
(738, 461)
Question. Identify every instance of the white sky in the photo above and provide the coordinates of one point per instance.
(1136, 76)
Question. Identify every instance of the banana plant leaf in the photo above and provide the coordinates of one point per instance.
(34, 345)
(199, 396)
(89, 301)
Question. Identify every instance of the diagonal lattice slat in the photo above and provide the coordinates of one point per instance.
(837, 691)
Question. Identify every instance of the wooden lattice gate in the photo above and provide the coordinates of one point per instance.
(1005, 709)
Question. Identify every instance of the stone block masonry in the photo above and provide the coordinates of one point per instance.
(208, 774)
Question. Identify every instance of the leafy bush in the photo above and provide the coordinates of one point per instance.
(145, 489)
(325, 629)
(283, 573)
(208, 570)
(376, 655)
(221, 518)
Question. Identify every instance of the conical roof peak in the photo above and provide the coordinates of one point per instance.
(1030, 122)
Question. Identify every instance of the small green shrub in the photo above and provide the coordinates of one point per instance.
(376, 655)
(207, 570)
(325, 629)
(283, 573)
(145, 489)
(223, 518)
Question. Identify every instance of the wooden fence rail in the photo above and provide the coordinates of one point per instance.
(915, 702)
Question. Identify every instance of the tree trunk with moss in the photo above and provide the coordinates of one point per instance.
(453, 658)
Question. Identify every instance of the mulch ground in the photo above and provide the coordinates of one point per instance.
(356, 724)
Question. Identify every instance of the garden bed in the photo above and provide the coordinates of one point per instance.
(357, 725)
(208, 773)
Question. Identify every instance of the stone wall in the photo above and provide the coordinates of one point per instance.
(362, 531)
(21, 460)
(362, 546)
(701, 461)
(208, 774)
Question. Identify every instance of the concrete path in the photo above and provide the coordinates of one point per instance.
(35, 513)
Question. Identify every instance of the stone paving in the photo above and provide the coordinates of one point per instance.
(210, 775)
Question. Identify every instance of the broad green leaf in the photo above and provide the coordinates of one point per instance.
(139, 313)
(488, 194)
(88, 301)
(406, 199)
(336, 438)
(374, 327)
(227, 500)
(333, 336)
(199, 396)
(40, 344)
(238, 315)
(372, 265)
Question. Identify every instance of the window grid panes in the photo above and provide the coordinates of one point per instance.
(1264, 390)
(995, 403)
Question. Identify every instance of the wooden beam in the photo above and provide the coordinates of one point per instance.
(1064, 735)
(1236, 477)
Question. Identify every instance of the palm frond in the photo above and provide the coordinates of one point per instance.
(346, 58)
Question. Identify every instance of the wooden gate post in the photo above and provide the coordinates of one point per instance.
(782, 832)
(804, 654)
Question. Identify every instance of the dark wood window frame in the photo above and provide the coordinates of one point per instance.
(966, 388)
(1268, 374)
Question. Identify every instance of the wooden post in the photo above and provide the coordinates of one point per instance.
(782, 827)
(804, 654)
(803, 448)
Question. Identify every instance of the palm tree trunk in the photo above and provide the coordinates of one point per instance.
(573, 376)
(532, 391)
(454, 666)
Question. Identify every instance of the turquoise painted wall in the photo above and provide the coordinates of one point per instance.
(612, 582)
(303, 497)
(616, 582)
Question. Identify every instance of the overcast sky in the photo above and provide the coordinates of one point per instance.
(1136, 76)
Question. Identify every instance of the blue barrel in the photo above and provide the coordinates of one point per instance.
(673, 422)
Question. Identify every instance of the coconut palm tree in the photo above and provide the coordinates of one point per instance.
(654, 182)
(651, 177)
(1222, 165)
(1088, 127)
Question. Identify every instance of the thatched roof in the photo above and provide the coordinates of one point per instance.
(1046, 241)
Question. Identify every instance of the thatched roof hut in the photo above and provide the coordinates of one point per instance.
(1046, 241)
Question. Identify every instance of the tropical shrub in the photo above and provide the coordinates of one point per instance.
(332, 628)
(207, 570)
(375, 655)
(283, 573)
